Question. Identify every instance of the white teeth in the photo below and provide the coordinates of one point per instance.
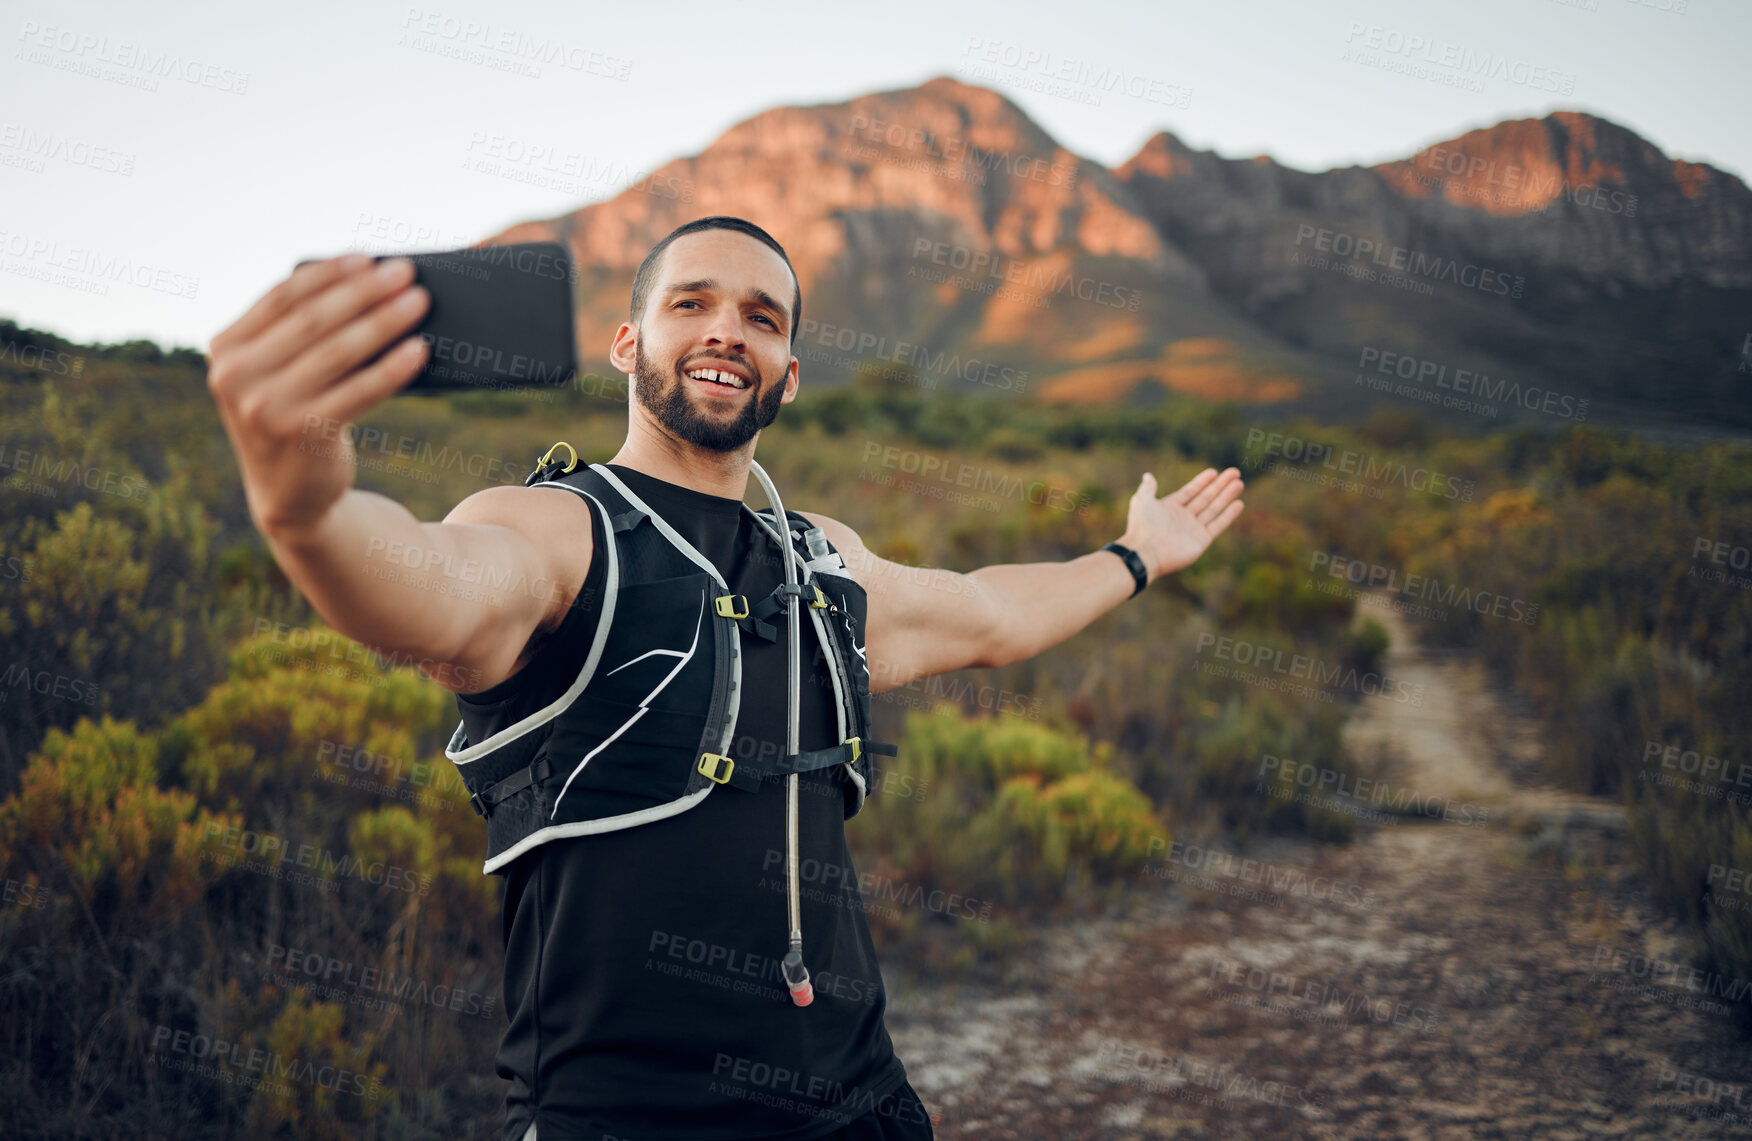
(712, 374)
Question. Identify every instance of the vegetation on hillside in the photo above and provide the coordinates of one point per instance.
(221, 825)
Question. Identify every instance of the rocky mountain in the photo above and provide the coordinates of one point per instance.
(939, 231)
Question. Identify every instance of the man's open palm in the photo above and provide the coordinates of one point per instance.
(1171, 531)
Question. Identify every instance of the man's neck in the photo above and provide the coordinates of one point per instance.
(671, 460)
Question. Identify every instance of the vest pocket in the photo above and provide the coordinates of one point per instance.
(847, 626)
(511, 790)
(632, 757)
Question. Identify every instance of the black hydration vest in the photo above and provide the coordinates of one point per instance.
(644, 730)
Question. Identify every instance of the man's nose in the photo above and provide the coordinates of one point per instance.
(725, 328)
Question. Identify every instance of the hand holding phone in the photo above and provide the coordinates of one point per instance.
(501, 317)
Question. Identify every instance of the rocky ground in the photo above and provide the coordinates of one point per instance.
(1495, 974)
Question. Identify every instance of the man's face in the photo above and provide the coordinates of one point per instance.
(722, 300)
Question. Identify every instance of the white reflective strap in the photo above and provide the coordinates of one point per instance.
(662, 525)
(604, 619)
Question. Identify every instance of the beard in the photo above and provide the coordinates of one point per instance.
(665, 396)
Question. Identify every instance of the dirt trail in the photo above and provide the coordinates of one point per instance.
(1502, 978)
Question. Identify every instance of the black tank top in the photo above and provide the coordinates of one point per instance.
(642, 981)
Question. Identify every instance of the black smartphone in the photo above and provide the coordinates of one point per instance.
(500, 317)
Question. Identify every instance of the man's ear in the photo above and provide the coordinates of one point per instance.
(622, 350)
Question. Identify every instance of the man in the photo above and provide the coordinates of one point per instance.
(639, 980)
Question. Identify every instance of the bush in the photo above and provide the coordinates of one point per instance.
(1025, 819)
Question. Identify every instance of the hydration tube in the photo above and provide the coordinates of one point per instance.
(796, 974)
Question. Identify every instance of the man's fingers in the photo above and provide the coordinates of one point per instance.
(302, 347)
(1229, 515)
(1223, 493)
(1212, 490)
(312, 277)
(371, 386)
(343, 350)
(1192, 486)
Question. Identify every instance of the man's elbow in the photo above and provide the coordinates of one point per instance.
(1002, 641)
(1000, 648)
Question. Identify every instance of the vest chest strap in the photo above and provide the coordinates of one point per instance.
(483, 801)
(749, 772)
(754, 619)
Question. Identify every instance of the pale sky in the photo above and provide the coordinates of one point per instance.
(276, 133)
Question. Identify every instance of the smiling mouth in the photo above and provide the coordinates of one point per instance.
(719, 377)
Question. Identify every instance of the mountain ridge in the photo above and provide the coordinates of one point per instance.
(940, 223)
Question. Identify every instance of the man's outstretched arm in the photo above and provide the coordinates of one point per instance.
(924, 621)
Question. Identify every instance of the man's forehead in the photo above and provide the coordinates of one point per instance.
(727, 257)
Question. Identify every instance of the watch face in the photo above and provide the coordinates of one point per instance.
(1133, 562)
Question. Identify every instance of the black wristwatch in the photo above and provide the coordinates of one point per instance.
(1133, 563)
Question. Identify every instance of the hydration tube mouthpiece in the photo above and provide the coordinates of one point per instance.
(797, 978)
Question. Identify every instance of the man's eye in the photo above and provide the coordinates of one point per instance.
(767, 319)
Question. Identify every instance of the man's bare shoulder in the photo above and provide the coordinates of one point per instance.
(518, 507)
(555, 522)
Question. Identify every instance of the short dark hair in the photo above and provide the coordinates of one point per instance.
(643, 279)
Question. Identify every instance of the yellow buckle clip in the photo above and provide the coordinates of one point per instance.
(820, 598)
(726, 604)
(709, 766)
(556, 447)
(857, 749)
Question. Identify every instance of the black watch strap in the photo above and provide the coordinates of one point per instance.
(1133, 563)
